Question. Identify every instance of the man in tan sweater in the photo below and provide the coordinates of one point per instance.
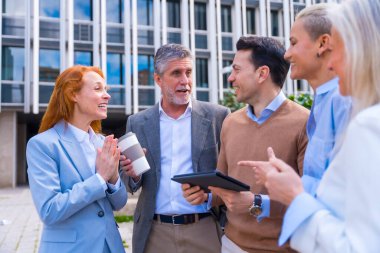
(269, 120)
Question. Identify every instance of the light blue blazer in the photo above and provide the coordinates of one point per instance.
(76, 211)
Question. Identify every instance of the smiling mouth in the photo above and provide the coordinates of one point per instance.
(183, 91)
(103, 106)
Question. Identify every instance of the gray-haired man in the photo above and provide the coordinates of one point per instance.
(181, 136)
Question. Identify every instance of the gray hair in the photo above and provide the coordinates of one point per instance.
(316, 20)
(167, 53)
(357, 22)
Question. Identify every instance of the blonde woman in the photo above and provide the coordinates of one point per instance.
(344, 216)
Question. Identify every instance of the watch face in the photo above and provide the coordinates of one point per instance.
(255, 210)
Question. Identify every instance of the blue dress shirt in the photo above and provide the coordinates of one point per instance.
(328, 119)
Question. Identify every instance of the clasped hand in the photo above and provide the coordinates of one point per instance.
(107, 160)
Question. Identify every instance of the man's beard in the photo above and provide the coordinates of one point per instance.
(175, 99)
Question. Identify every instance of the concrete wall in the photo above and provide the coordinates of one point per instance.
(8, 130)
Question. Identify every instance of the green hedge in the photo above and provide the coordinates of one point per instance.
(230, 101)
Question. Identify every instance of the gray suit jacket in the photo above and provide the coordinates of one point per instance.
(206, 124)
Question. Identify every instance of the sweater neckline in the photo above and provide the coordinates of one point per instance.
(279, 109)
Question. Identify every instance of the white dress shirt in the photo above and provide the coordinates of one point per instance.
(176, 158)
(89, 143)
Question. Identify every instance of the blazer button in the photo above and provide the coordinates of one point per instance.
(100, 213)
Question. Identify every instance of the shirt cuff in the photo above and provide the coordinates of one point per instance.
(114, 187)
(102, 182)
(265, 207)
(134, 184)
(301, 208)
(209, 201)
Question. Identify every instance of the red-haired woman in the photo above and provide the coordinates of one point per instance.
(73, 169)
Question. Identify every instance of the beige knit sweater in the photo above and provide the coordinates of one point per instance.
(244, 139)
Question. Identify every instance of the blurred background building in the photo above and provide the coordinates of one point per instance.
(40, 38)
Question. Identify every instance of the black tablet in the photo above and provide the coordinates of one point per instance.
(214, 178)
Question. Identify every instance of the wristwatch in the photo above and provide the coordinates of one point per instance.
(256, 209)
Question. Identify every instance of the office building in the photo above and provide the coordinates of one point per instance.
(41, 38)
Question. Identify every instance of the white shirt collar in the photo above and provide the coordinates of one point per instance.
(187, 112)
(81, 135)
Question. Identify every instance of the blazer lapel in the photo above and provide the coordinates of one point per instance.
(74, 152)
(151, 130)
(199, 127)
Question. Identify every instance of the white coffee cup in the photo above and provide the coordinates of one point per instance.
(131, 148)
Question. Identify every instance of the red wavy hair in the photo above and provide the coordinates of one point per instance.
(61, 104)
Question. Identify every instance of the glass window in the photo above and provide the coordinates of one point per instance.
(227, 44)
(203, 96)
(115, 35)
(83, 58)
(226, 84)
(45, 92)
(226, 18)
(146, 97)
(297, 9)
(13, 26)
(251, 22)
(145, 12)
(174, 38)
(115, 69)
(49, 8)
(114, 11)
(174, 13)
(200, 16)
(83, 9)
(145, 37)
(83, 32)
(275, 23)
(201, 41)
(117, 95)
(49, 65)
(146, 70)
(13, 63)
(14, 7)
(49, 29)
(12, 93)
(202, 73)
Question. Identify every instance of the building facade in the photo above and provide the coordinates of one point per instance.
(40, 38)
